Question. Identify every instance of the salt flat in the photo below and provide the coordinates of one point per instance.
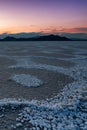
(43, 85)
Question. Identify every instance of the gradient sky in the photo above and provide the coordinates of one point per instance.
(49, 16)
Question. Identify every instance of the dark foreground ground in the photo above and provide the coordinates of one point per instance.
(55, 64)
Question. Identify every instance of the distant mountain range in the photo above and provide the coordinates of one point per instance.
(37, 38)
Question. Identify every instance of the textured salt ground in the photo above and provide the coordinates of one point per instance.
(6, 71)
(52, 84)
(39, 53)
(5, 62)
(35, 49)
(54, 62)
(9, 114)
(56, 55)
(8, 117)
(72, 116)
(27, 80)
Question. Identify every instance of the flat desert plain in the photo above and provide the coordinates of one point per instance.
(43, 85)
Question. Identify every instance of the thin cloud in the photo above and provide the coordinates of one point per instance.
(74, 30)
(66, 30)
(82, 29)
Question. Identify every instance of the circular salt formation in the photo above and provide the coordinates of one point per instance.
(27, 80)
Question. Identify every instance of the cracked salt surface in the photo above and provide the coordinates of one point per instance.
(66, 111)
(63, 112)
(27, 80)
(75, 72)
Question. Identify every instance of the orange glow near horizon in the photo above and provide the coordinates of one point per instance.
(50, 30)
(13, 30)
(48, 16)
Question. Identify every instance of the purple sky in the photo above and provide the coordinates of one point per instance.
(43, 15)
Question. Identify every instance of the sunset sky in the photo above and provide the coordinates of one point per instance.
(48, 16)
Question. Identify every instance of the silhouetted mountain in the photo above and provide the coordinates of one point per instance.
(40, 38)
(52, 38)
(22, 35)
(8, 38)
(76, 36)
